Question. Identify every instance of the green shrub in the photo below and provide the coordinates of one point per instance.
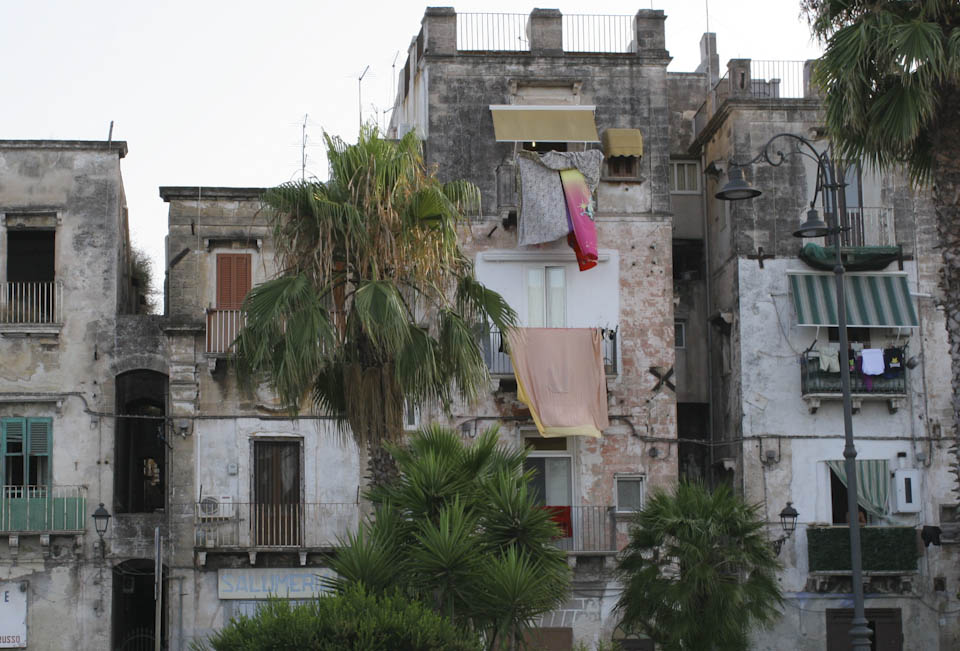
(351, 621)
(887, 549)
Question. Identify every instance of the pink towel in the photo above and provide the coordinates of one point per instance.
(560, 377)
(583, 232)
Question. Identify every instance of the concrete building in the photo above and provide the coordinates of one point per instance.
(777, 426)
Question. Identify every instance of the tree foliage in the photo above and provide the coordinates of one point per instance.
(888, 73)
(698, 572)
(460, 530)
(367, 260)
(355, 620)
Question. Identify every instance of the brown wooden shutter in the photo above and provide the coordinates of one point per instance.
(233, 280)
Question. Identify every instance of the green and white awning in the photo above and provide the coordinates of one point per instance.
(873, 300)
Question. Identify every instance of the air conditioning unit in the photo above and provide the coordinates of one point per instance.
(217, 507)
(906, 497)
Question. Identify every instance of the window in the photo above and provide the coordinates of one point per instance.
(26, 445)
(546, 297)
(541, 147)
(276, 493)
(685, 177)
(679, 334)
(552, 483)
(30, 288)
(622, 167)
(629, 493)
(233, 280)
(411, 416)
(854, 335)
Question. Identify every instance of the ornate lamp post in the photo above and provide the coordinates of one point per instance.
(101, 519)
(737, 189)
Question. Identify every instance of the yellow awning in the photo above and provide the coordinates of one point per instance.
(622, 142)
(518, 123)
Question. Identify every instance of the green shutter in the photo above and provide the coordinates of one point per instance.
(39, 444)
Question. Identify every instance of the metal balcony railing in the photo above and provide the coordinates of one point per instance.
(599, 34)
(31, 303)
(498, 361)
(245, 525)
(585, 528)
(222, 329)
(814, 381)
(43, 509)
(869, 227)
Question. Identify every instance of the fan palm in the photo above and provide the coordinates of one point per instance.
(459, 529)
(698, 571)
(891, 80)
(363, 260)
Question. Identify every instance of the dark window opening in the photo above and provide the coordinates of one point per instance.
(838, 502)
(30, 256)
(140, 456)
(693, 426)
(687, 259)
(858, 335)
(885, 624)
(622, 166)
(540, 147)
(276, 493)
(134, 606)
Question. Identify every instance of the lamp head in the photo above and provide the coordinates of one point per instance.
(737, 188)
(813, 227)
(788, 518)
(101, 518)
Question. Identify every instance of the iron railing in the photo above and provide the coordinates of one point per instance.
(498, 361)
(492, 33)
(816, 381)
(222, 329)
(869, 227)
(43, 509)
(599, 34)
(246, 525)
(585, 528)
(31, 302)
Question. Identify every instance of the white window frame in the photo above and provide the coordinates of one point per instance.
(675, 166)
(546, 303)
(682, 325)
(410, 410)
(555, 454)
(629, 477)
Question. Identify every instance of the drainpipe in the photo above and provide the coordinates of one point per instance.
(709, 309)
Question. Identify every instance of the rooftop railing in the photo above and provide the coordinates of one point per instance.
(492, 32)
(599, 34)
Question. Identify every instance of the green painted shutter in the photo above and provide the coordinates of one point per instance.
(39, 447)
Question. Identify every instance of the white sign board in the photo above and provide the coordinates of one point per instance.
(13, 615)
(266, 582)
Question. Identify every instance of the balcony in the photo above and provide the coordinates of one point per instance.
(31, 306)
(498, 361)
(586, 529)
(222, 329)
(869, 227)
(886, 550)
(252, 527)
(817, 385)
(43, 509)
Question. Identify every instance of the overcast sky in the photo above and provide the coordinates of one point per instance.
(214, 93)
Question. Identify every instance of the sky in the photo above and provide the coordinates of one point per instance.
(208, 92)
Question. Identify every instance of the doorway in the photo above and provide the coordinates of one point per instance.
(277, 511)
(134, 606)
(886, 628)
(140, 471)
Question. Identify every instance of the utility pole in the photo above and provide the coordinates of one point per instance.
(303, 148)
(359, 95)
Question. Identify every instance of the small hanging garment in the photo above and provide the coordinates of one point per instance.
(872, 361)
(830, 359)
(583, 232)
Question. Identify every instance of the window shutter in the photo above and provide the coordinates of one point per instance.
(39, 447)
(233, 280)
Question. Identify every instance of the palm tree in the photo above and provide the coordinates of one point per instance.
(364, 259)
(698, 572)
(891, 79)
(459, 529)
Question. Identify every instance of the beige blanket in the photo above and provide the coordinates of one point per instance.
(560, 378)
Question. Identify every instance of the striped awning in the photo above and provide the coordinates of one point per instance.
(873, 300)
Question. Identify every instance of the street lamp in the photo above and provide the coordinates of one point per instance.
(737, 189)
(788, 521)
(101, 518)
